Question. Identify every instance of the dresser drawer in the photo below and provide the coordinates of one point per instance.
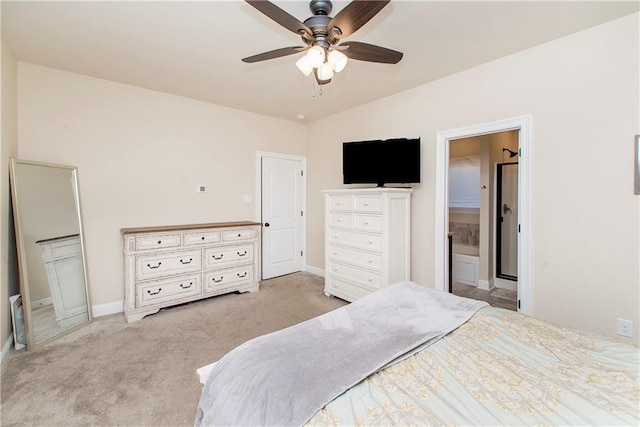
(340, 220)
(341, 203)
(368, 223)
(215, 280)
(368, 204)
(218, 256)
(346, 290)
(157, 265)
(362, 240)
(366, 278)
(355, 256)
(198, 238)
(159, 291)
(158, 241)
(239, 234)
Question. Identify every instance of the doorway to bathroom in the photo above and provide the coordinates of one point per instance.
(490, 156)
(482, 207)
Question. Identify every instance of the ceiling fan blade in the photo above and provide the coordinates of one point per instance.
(371, 53)
(280, 16)
(274, 54)
(355, 15)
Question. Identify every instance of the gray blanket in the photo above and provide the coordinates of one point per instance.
(284, 378)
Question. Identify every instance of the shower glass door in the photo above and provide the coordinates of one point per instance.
(507, 227)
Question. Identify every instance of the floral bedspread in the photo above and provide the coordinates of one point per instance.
(500, 368)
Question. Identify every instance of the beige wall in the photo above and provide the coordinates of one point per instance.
(582, 92)
(8, 148)
(140, 155)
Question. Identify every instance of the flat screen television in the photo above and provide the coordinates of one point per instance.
(390, 161)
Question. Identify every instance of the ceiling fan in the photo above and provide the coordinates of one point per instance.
(322, 35)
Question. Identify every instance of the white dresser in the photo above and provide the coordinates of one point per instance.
(62, 258)
(172, 265)
(367, 240)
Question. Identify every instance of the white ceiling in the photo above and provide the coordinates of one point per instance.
(194, 48)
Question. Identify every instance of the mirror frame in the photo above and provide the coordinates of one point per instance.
(22, 259)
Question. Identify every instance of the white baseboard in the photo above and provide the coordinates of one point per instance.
(506, 284)
(107, 309)
(484, 284)
(41, 303)
(314, 270)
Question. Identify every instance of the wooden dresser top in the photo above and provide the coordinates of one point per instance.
(161, 228)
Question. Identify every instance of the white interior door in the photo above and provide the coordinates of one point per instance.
(282, 216)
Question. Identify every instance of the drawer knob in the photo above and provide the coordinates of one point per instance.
(370, 260)
(366, 204)
(154, 267)
(242, 254)
(217, 258)
(335, 236)
(339, 220)
(366, 223)
(186, 287)
(335, 252)
(370, 242)
(154, 293)
(339, 203)
(202, 238)
(242, 275)
(335, 268)
(217, 281)
(187, 262)
(159, 241)
(370, 279)
(239, 235)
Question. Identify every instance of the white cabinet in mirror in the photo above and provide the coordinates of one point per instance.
(49, 242)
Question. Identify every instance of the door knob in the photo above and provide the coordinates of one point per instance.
(266, 224)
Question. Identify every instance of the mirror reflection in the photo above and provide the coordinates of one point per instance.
(50, 249)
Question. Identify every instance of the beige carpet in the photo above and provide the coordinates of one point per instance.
(111, 373)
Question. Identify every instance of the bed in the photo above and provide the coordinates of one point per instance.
(453, 361)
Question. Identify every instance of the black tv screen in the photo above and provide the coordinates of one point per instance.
(390, 161)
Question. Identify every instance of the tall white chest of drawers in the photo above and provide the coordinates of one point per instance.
(367, 240)
(172, 265)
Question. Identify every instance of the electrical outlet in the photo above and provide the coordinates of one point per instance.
(624, 327)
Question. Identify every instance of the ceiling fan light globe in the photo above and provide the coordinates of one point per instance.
(325, 72)
(304, 66)
(338, 60)
(315, 56)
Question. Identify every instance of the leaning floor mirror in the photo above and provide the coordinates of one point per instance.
(50, 245)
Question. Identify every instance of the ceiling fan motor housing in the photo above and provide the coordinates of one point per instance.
(321, 7)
